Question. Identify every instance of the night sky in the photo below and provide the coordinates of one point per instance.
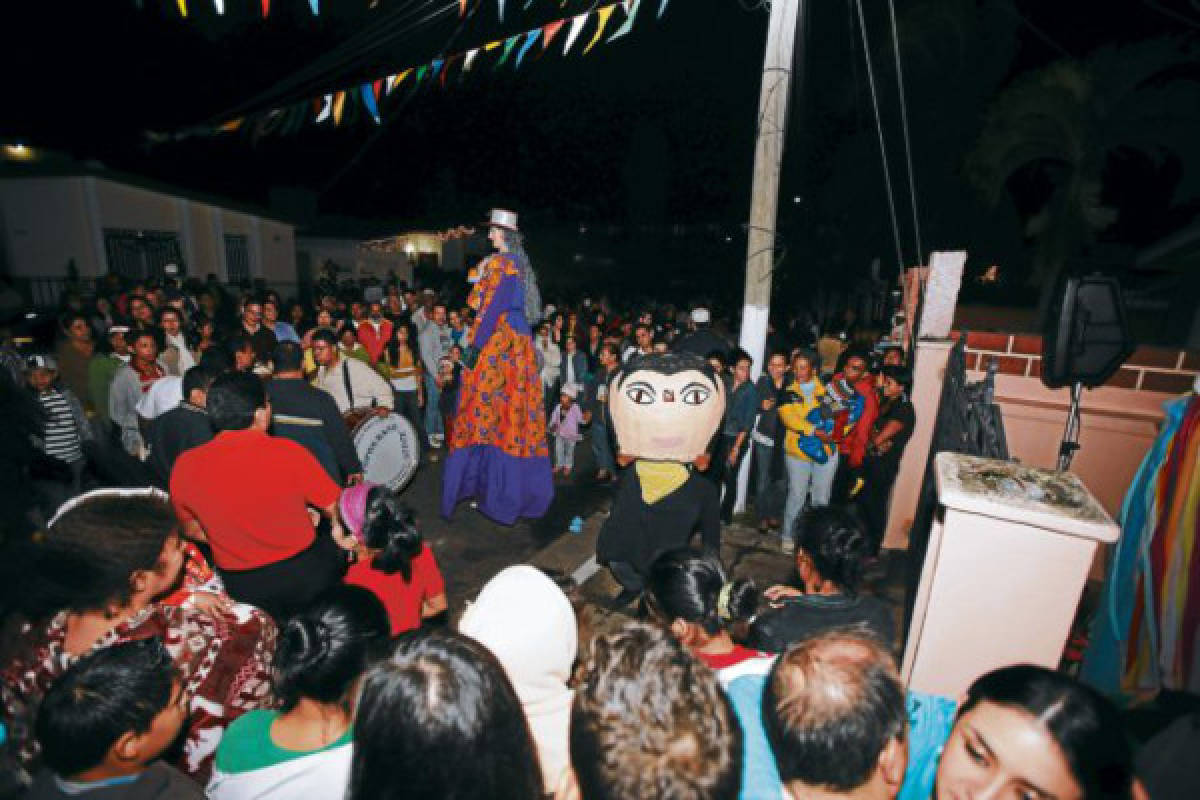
(653, 130)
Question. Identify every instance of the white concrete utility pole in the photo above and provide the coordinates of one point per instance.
(764, 202)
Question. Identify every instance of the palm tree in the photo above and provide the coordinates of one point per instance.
(1066, 124)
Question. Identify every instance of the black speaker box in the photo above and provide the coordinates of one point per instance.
(1086, 337)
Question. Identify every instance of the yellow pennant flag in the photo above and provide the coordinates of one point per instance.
(339, 104)
(604, 13)
(182, 7)
(493, 45)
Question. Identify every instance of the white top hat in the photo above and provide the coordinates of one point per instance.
(502, 218)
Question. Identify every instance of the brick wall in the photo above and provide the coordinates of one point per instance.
(1157, 369)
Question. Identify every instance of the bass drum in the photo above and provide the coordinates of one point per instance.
(388, 449)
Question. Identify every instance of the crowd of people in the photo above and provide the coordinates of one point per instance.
(203, 597)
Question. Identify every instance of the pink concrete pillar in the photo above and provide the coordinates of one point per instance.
(929, 371)
(1008, 558)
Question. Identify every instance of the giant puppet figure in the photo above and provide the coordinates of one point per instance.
(665, 410)
(497, 439)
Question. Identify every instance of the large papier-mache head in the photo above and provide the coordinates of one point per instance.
(666, 406)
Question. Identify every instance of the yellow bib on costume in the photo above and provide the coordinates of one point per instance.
(659, 478)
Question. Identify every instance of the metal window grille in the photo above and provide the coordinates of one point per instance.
(139, 255)
(237, 258)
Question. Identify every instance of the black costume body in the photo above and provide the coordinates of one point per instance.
(636, 533)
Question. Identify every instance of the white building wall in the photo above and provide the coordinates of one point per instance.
(46, 226)
(46, 222)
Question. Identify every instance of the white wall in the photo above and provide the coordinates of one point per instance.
(45, 226)
(45, 222)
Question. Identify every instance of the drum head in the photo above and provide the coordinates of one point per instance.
(389, 450)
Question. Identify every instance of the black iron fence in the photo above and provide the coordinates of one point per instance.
(968, 421)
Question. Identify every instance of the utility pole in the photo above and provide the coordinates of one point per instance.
(764, 202)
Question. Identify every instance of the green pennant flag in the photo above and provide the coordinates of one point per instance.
(509, 43)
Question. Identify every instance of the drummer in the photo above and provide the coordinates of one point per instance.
(310, 416)
(350, 382)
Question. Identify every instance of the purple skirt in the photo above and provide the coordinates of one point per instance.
(506, 487)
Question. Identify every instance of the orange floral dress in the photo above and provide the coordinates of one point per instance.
(499, 455)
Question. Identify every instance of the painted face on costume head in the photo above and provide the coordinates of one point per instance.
(666, 408)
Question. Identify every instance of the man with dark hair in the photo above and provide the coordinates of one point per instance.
(183, 427)
(595, 410)
(309, 416)
(103, 724)
(175, 357)
(433, 340)
(649, 720)
(260, 335)
(834, 712)
(855, 370)
(350, 382)
(247, 495)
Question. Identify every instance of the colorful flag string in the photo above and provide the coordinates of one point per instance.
(342, 104)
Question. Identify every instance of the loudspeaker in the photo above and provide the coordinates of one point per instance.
(1086, 337)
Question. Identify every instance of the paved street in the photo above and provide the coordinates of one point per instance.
(471, 548)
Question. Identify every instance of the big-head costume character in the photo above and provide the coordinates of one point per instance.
(665, 410)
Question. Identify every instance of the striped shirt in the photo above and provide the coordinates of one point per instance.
(62, 436)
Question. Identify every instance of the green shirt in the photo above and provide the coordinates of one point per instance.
(101, 370)
(247, 744)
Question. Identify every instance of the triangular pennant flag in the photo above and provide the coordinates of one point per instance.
(462, 8)
(376, 87)
(220, 4)
(339, 105)
(500, 3)
(604, 14)
(182, 7)
(326, 109)
(576, 26)
(446, 69)
(266, 7)
(662, 8)
(368, 97)
(490, 46)
(232, 125)
(530, 38)
(509, 43)
(437, 67)
(315, 6)
(421, 74)
(631, 9)
(474, 51)
(551, 30)
(398, 79)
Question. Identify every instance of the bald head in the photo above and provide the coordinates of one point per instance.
(834, 712)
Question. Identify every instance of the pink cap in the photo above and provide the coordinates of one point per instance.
(353, 505)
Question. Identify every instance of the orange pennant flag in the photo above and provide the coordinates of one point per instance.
(604, 14)
(462, 7)
(232, 125)
(550, 30)
(339, 104)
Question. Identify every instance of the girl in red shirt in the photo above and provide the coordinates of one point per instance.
(391, 560)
